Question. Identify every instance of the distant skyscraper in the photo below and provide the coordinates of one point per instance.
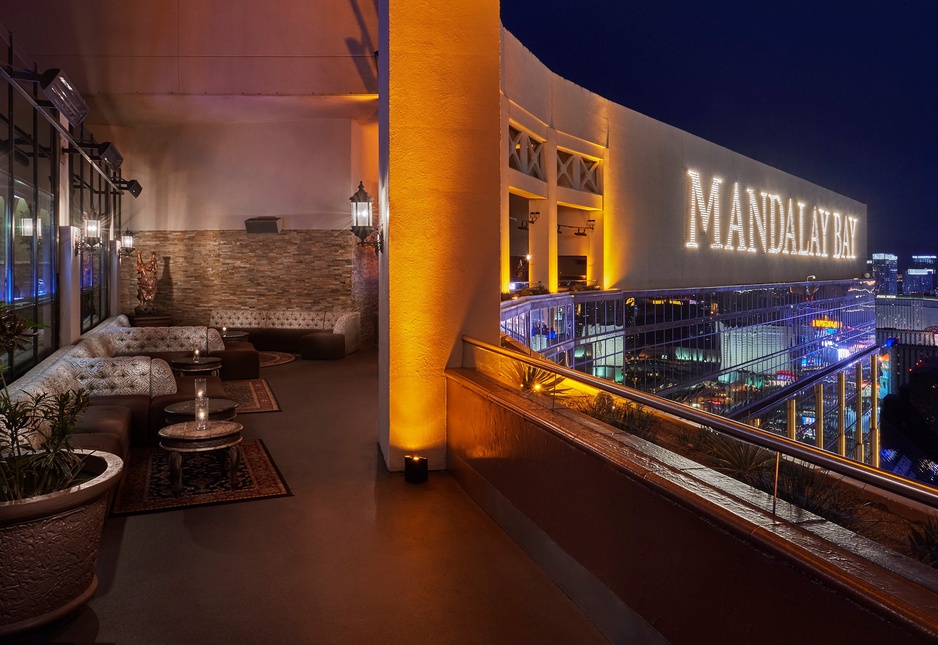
(919, 279)
(884, 269)
(924, 262)
(919, 282)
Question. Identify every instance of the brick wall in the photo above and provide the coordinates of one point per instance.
(303, 269)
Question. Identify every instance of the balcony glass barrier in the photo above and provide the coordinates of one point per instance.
(896, 512)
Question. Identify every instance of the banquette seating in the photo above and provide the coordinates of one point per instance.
(313, 334)
(125, 371)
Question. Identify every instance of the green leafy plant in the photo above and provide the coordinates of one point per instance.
(811, 488)
(739, 459)
(617, 412)
(538, 380)
(923, 542)
(36, 456)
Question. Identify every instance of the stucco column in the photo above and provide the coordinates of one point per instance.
(539, 242)
(440, 204)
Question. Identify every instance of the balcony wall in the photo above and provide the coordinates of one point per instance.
(656, 548)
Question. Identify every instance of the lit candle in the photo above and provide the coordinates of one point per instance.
(224, 330)
(195, 355)
(415, 469)
(201, 413)
(200, 388)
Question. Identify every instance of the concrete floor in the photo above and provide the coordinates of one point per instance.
(356, 555)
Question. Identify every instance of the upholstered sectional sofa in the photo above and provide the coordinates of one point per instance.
(239, 360)
(129, 393)
(284, 330)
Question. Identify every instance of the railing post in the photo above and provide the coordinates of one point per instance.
(842, 414)
(792, 417)
(819, 415)
(858, 448)
(874, 410)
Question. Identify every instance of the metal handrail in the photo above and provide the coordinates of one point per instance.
(833, 462)
(761, 406)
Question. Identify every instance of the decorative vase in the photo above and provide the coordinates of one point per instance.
(49, 548)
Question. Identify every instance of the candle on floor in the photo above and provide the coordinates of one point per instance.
(415, 469)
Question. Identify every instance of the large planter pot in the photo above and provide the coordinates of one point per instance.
(49, 547)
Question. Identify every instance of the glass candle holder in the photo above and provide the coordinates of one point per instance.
(201, 413)
(200, 388)
(195, 356)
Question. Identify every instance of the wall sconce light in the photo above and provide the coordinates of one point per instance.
(415, 469)
(59, 90)
(361, 203)
(90, 238)
(106, 152)
(132, 186)
(579, 230)
(127, 245)
(524, 223)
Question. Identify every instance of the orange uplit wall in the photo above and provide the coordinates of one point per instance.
(440, 160)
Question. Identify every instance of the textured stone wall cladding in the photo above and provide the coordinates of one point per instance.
(306, 269)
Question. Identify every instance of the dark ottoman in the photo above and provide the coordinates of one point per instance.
(322, 345)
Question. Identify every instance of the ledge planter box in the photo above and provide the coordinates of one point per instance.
(49, 547)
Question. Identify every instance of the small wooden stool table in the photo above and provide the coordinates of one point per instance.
(218, 410)
(180, 438)
(189, 366)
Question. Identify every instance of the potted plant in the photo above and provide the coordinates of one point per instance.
(53, 500)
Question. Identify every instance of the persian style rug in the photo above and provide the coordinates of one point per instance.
(251, 395)
(146, 486)
(270, 359)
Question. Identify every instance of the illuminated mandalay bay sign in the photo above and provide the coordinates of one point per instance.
(762, 222)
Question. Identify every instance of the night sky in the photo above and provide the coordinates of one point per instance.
(842, 94)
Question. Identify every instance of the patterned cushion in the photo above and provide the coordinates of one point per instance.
(140, 340)
(215, 343)
(295, 319)
(162, 380)
(96, 346)
(111, 376)
(238, 318)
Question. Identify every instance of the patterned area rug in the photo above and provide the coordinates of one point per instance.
(251, 395)
(269, 359)
(146, 485)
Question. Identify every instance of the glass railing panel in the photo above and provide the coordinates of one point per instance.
(878, 505)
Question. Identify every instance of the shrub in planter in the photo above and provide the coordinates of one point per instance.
(53, 501)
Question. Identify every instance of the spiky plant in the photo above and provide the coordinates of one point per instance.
(738, 459)
(617, 412)
(923, 542)
(811, 488)
(540, 381)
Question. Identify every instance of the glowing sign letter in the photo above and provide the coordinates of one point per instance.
(712, 209)
(802, 250)
(825, 216)
(814, 246)
(838, 237)
(756, 221)
(736, 223)
(852, 225)
(776, 223)
(790, 243)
